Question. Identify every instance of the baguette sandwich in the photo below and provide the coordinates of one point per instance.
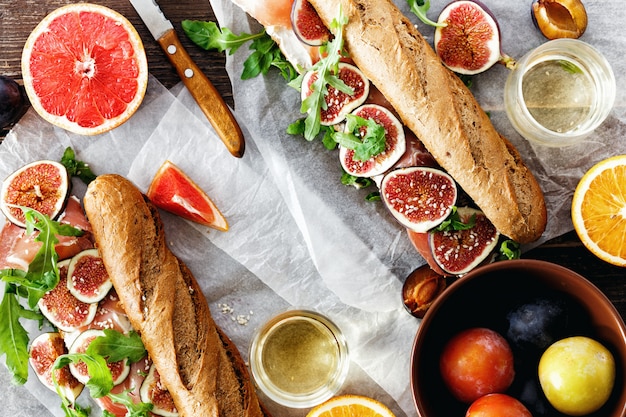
(197, 363)
(431, 103)
(159, 352)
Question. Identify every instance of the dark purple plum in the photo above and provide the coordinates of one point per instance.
(11, 101)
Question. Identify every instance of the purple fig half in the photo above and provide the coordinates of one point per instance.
(307, 24)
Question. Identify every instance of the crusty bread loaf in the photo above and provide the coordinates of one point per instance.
(434, 103)
(197, 363)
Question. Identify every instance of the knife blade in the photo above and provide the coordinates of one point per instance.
(202, 90)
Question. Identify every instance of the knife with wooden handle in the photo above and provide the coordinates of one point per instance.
(200, 87)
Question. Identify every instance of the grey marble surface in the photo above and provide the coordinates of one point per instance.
(17, 401)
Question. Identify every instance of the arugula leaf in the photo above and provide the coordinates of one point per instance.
(509, 249)
(115, 346)
(325, 70)
(364, 136)
(100, 379)
(208, 36)
(77, 168)
(42, 276)
(454, 222)
(13, 337)
(419, 9)
(266, 53)
(357, 182)
(134, 409)
(75, 410)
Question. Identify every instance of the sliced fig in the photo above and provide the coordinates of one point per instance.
(420, 198)
(421, 288)
(395, 144)
(559, 18)
(87, 278)
(153, 392)
(44, 350)
(111, 315)
(338, 103)
(458, 252)
(468, 40)
(119, 370)
(62, 309)
(307, 24)
(41, 185)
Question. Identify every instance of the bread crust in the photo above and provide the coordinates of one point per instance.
(198, 364)
(435, 104)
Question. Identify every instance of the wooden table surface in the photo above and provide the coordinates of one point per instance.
(17, 19)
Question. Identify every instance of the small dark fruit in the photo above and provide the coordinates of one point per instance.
(11, 101)
(338, 103)
(395, 144)
(468, 38)
(41, 185)
(307, 24)
(559, 18)
(421, 288)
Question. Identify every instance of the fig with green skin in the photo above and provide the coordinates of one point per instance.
(338, 103)
(44, 351)
(307, 25)
(456, 252)
(420, 198)
(395, 144)
(87, 278)
(559, 18)
(119, 370)
(153, 392)
(42, 185)
(468, 38)
(62, 309)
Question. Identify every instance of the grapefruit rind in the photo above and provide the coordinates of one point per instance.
(349, 405)
(599, 210)
(161, 194)
(138, 64)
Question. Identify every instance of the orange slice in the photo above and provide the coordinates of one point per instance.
(172, 190)
(599, 210)
(85, 68)
(351, 406)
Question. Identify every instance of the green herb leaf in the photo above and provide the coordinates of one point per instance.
(570, 67)
(134, 409)
(454, 222)
(509, 249)
(326, 70)
(419, 9)
(77, 168)
(265, 52)
(100, 379)
(13, 337)
(116, 346)
(209, 36)
(364, 136)
(357, 182)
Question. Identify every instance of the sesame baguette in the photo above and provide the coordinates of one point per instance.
(434, 103)
(198, 364)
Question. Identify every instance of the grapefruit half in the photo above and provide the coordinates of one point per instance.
(172, 190)
(84, 68)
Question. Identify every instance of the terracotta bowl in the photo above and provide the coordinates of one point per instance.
(483, 298)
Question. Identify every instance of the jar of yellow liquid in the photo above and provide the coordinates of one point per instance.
(299, 358)
(559, 92)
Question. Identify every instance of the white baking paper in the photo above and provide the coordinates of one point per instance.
(297, 236)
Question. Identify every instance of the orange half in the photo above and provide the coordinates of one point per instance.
(351, 406)
(599, 210)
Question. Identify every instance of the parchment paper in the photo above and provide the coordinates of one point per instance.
(298, 237)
